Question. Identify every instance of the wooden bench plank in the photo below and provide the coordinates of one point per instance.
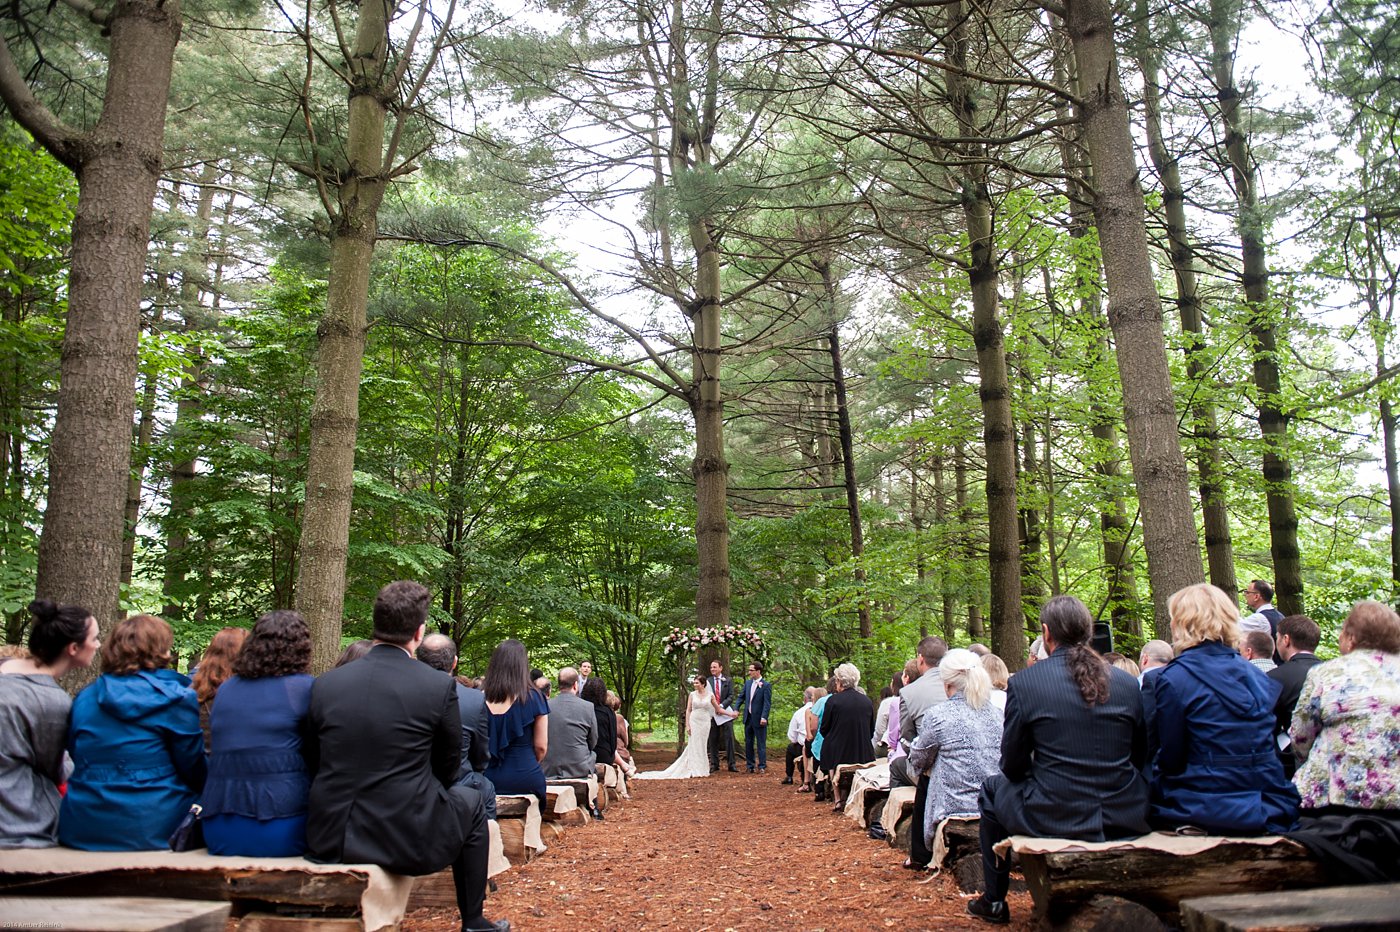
(1062, 881)
(112, 914)
(1373, 906)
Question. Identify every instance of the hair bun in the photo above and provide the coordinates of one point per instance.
(43, 609)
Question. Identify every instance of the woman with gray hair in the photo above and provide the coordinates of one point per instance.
(959, 741)
(846, 726)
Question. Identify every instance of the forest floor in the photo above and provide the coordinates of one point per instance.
(734, 851)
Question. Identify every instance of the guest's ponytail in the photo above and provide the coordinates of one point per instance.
(1071, 626)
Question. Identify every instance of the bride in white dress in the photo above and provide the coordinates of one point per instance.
(694, 761)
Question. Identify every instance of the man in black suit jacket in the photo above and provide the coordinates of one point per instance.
(385, 746)
(440, 652)
(1071, 763)
(1298, 636)
(723, 688)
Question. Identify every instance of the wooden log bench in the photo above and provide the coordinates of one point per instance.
(585, 791)
(323, 897)
(561, 805)
(437, 891)
(898, 816)
(1372, 906)
(1157, 871)
(865, 782)
(845, 773)
(112, 914)
(519, 821)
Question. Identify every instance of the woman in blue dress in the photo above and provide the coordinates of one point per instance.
(138, 750)
(255, 800)
(519, 723)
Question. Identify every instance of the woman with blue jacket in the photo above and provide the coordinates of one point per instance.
(1210, 734)
(137, 746)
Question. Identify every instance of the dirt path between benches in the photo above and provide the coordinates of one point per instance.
(733, 851)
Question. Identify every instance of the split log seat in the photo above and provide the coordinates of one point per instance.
(112, 914)
(437, 891)
(345, 896)
(845, 773)
(1158, 870)
(612, 784)
(868, 787)
(561, 804)
(898, 816)
(519, 820)
(1373, 906)
(585, 791)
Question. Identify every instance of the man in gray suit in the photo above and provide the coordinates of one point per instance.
(914, 700)
(573, 731)
(1072, 750)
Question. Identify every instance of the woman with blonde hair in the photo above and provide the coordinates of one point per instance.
(1210, 735)
(959, 741)
(214, 669)
(1000, 676)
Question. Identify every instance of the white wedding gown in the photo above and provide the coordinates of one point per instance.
(695, 759)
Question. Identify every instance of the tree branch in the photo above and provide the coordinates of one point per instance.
(61, 140)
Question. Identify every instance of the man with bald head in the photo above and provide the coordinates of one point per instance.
(573, 732)
(440, 652)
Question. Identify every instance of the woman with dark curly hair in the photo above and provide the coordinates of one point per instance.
(215, 667)
(256, 798)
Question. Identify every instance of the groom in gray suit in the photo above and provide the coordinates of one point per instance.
(723, 688)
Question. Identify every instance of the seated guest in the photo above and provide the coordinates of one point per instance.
(622, 756)
(573, 732)
(1346, 728)
(1123, 663)
(1210, 737)
(138, 750)
(1258, 648)
(353, 651)
(1298, 636)
(820, 778)
(1072, 751)
(383, 742)
(889, 698)
(999, 675)
(809, 731)
(605, 745)
(518, 730)
(214, 668)
(846, 727)
(440, 652)
(1154, 657)
(34, 722)
(797, 737)
(255, 798)
(959, 741)
(540, 680)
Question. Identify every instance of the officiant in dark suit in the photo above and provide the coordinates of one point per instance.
(1072, 750)
(722, 733)
(755, 703)
(384, 751)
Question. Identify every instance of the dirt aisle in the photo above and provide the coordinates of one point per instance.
(732, 851)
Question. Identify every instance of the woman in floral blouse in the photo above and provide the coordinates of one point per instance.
(1347, 721)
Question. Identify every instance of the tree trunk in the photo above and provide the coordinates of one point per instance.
(998, 429)
(117, 164)
(948, 559)
(140, 453)
(1273, 422)
(1032, 589)
(843, 423)
(1205, 440)
(710, 468)
(330, 464)
(1134, 311)
(189, 403)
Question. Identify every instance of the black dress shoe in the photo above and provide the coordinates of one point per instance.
(733, 769)
(749, 770)
(487, 925)
(993, 911)
(714, 768)
(787, 781)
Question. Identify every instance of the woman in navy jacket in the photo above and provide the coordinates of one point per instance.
(1211, 731)
(138, 749)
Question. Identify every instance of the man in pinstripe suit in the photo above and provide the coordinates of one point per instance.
(1072, 751)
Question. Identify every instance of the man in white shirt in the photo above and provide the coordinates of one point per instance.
(1263, 616)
